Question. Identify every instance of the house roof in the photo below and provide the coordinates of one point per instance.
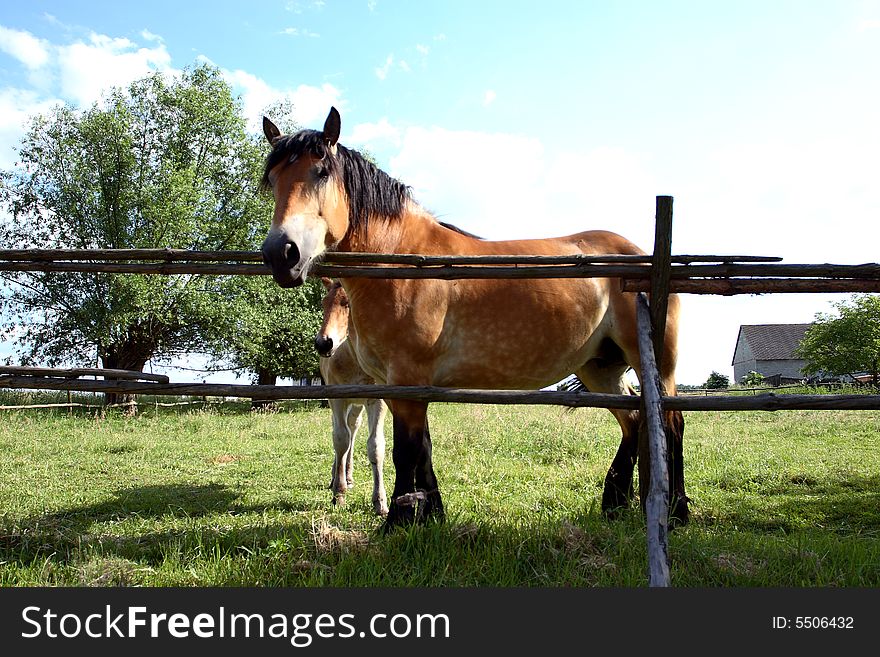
(772, 341)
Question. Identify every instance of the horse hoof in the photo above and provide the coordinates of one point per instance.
(339, 500)
(380, 509)
(612, 512)
(679, 514)
(398, 516)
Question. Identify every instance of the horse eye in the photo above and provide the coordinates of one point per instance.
(321, 170)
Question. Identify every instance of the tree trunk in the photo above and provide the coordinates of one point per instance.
(116, 359)
(265, 378)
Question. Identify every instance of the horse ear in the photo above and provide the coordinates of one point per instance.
(332, 128)
(328, 283)
(270, 130)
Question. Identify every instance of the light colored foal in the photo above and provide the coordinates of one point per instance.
(339, 366)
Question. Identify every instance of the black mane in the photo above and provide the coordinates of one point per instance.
(370, 191)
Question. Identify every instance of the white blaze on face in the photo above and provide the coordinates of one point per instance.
(308, 233)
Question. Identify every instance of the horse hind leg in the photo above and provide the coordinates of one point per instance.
(600, 375)
(679, 513)
(607, 374)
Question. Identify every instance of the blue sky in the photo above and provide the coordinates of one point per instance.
(534, 119)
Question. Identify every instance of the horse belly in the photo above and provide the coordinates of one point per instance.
(531, 340)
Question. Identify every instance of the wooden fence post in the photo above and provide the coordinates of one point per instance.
(657, 502)
(651, 325)
(660, 275)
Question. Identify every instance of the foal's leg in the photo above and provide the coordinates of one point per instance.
(353, 419)
(413, 467)
(341, 448)
(376, 411)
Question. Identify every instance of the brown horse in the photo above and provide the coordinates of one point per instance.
(489, 333)
(339, 366)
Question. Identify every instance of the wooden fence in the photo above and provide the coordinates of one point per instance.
(660, 274)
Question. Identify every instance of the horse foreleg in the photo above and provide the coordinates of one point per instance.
(426, 481)
(376, 410)
(412, 466)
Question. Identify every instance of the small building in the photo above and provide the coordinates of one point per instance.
(768, 349)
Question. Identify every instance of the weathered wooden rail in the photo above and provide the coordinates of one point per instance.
(763, 402)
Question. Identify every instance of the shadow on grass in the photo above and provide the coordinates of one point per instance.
(846, 504)
(68, 531)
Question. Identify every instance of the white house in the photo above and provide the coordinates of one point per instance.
(769, 350)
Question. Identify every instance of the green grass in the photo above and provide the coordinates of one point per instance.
(225, 497)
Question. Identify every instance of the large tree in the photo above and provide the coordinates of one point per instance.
(847, 343)
(164, 163)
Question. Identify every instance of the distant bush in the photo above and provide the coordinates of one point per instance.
(717, 381)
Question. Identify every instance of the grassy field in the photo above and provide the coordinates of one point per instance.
(225, 497)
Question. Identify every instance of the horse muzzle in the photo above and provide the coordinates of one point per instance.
(324, 346)
(283, 258)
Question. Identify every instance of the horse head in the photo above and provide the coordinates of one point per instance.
(334, 328)
(323, 193)
(310, 211)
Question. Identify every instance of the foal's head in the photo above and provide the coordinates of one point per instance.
(334, 328)
(322, 191)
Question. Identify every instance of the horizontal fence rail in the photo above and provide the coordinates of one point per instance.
(763, 402)
(692, 274)
(76, 372)
(183, 255)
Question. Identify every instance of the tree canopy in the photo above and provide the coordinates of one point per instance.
(845, 343)
(166, 162)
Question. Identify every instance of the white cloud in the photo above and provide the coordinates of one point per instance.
(423, 50)
(371, 5)
(489, 97)
(86, 70)
(310, 103)
(382, 71)
(149, 36)
(25, 47)
(298, 32)
(369, 134)
(868, 24)
(17, 106)
(507, 186)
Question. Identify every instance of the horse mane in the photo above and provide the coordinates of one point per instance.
(371, 192)
(460, 231)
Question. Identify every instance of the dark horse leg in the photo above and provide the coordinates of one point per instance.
(618, 491)
(416, 495)
(606, 374)
(679, 514)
